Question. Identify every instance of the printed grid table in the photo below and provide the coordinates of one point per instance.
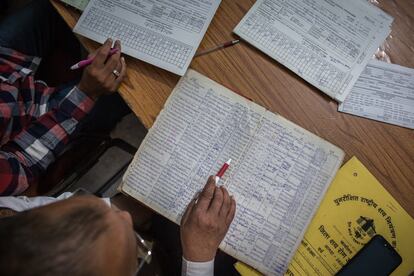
(137, 38)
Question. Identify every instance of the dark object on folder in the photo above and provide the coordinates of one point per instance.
(377, 257)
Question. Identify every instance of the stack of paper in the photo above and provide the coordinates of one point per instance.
(327, 43)
(384, 92)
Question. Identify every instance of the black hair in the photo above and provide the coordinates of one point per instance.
(35, 243)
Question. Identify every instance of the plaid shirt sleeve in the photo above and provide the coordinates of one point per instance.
(34, 148)
(36, 145)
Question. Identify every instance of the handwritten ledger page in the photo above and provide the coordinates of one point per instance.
(278, 175)
(384, 92)
(164, 33)
(327, 43)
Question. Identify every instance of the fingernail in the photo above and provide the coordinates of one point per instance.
(123, 59)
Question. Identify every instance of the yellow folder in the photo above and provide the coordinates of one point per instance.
(355, 208)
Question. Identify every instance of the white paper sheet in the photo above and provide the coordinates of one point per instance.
(79, 4)
(278, 175)
(384, 92)
(165, 33)
(327, 43)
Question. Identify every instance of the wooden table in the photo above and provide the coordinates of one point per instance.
(386, 150)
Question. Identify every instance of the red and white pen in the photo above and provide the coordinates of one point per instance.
(86, 62)
(221, 172)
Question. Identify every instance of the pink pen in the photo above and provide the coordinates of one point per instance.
(88, 61)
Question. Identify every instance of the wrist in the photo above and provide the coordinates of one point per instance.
(87, 92)
(198, 257)
(77, 99)
(194, 262)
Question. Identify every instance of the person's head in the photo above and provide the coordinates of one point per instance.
(78, 236)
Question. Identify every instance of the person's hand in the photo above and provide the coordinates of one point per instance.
(205, 222)
(99, 77)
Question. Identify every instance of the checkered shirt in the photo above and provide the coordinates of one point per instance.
(34, 127)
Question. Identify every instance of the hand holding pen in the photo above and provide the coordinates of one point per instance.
(83, 63)
(217, 177)
(206, 222)
(104, 71)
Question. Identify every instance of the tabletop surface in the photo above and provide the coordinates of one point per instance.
(386, 150)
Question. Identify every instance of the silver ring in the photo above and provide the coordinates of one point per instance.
(116, 73)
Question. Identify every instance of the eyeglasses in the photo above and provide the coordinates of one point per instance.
(144, 253)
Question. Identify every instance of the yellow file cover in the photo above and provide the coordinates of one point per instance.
(355, 208)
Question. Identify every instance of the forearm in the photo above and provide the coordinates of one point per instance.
(47, 137)
(33, 149)
(15, 177)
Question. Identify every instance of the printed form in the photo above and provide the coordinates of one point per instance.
(326, 42)
(278, 176)
(384, 92)
(165, 33)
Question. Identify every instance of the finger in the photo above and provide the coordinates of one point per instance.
(207, 194)
(217, 201)
(188, 211)
(102, 53)
(92, 55)
(226, 203)
(122, 73)
(111, 76)
(117, 45)
(113, 60)
(232, 212)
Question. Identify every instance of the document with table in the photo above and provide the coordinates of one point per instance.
(327, 43)
(161, 32)
(278, 176)
(384, 92)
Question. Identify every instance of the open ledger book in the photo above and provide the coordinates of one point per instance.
(278, 175)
